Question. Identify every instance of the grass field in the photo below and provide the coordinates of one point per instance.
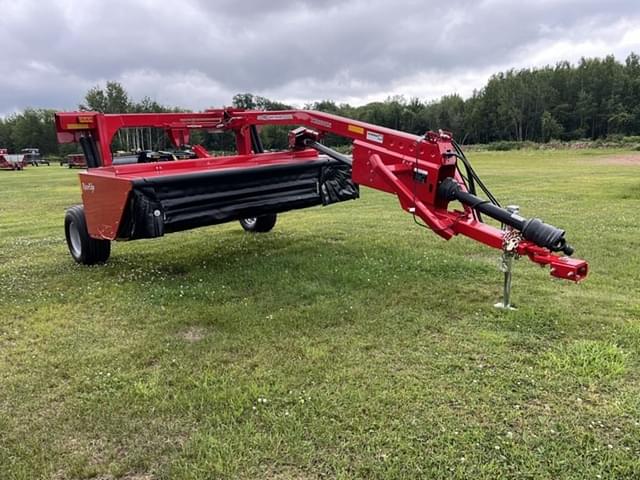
(347, 343)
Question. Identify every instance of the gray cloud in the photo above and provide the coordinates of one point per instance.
(198, 53)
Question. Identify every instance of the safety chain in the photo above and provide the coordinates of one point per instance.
(511, 240)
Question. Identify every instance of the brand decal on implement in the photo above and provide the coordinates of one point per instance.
(375, 137)
(279, 116)
(88, 187)
(322, 123)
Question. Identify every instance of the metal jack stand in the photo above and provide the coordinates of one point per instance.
(509, 255)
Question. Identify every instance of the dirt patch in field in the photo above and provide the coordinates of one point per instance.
(193, 334)
(623, 159)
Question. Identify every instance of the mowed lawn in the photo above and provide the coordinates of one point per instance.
(347, 343)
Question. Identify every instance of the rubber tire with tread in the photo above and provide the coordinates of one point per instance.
(262, 224)
(92, 251)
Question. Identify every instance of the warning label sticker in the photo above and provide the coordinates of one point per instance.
(375, 137)
(280, 116)
(355, 129)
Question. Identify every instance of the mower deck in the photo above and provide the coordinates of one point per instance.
(166, 197)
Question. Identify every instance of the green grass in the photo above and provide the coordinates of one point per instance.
(347, 343)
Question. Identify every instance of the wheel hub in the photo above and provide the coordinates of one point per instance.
(74, 236)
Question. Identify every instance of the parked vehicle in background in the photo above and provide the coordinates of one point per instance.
(11, 161)
(74, 160)
(32, 156)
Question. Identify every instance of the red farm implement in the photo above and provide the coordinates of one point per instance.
(74, 160)
(11, 161)
(145, 200)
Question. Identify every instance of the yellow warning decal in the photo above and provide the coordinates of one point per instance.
(77, 126)
(85, 119)
(355, 129)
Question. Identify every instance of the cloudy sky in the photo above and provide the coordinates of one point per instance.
(199, 53)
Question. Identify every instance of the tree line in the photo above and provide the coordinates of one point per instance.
(596, 98)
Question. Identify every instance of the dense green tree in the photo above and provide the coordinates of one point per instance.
(112, 99)
(6, 140)
(244, 100)
(33, 128)
(549, 126)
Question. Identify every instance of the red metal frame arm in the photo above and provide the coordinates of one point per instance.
(103, 127)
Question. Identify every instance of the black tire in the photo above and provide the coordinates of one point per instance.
(82, 247)
(261, 224)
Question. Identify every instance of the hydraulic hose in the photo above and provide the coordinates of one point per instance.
(328, 151)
